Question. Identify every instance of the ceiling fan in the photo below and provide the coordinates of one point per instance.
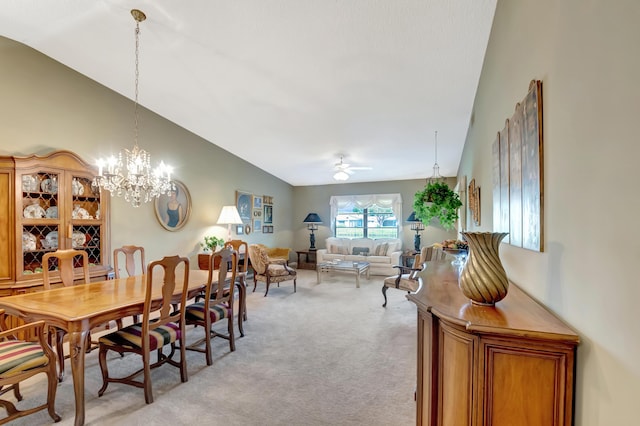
(344, 170)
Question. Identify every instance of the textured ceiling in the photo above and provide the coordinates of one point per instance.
(288, 85)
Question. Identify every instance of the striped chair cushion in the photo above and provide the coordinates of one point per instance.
(17, 356)
(195, 312)
(131, 337)
(405, 283)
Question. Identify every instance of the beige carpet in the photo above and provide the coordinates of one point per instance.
(326, 355)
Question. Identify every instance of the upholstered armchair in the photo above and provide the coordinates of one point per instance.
(269, 270)
(407, 278)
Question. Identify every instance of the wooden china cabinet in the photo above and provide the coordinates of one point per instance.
(48, 202)
(512, 364)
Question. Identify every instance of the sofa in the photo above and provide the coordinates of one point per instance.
(382, 253)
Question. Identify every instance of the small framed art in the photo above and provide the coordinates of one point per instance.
(239, 229)
(268, 213)
(257, 202)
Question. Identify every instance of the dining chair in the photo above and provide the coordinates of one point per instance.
(161, 326)
(242, 248)
(66, 261)
(269, 270)
(217, 304)
(407, 278)
(20, 360)
(131, 266)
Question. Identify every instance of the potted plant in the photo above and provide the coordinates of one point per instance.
(438, 201)
(209, 246)
(210, 243)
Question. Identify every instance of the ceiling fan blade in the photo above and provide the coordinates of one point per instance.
(361, 168)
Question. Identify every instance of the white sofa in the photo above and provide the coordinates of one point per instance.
(381, 257)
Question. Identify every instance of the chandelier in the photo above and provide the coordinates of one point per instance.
(130, 174)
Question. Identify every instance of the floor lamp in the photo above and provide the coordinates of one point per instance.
(229, 216)
(418, 226)
(312, 220)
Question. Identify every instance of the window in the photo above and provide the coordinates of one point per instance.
(372, 222)
(372, 216)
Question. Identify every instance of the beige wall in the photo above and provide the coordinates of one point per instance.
(586, 54)
(46, 106)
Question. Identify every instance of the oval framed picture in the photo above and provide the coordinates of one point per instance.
(247, 229)
(173, 210)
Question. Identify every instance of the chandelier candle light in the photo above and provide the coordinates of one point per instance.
(130, 174)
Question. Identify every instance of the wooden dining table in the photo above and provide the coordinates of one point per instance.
(80, 308)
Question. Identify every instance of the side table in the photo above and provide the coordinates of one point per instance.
(306, 259)
(408, 257)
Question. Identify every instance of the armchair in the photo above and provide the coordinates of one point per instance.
(269, 270)
(407, 278)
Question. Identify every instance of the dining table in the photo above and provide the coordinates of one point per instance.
(78, 309)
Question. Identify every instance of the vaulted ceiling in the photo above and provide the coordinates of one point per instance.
(288, 85)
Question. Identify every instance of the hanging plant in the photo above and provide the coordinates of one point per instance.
(436, 200)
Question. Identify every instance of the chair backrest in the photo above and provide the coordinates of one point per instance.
(259, 258)
(162, 273)
(66, 260)
(240, 247)
(430, 253)
(130, 260)
(227, 259)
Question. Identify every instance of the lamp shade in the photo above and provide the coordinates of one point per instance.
(229, 216)
(341, 175)
(412, 218)
(312, 218)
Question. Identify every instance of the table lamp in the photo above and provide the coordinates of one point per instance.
(418, 226)
(229, 216)
(312, 220)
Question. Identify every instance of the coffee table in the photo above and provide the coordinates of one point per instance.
(356, 268)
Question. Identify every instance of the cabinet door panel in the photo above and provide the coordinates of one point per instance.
(456, 358)
(6, 180)
(523, 386)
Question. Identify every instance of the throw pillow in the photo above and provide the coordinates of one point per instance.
(338, 249)
(381, 249)
(363, 251)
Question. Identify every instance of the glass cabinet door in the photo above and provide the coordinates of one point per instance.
(40, 218)
(86, 223)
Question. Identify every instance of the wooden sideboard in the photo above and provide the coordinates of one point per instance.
(511, 364)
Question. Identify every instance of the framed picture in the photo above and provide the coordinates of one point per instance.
(257, 225)
(532, 183)
(173, 210)
(267, 229)
(257, 213)
(268, 214)
(244, 205)
(239, 229)
(247, 229)
(257, 202)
